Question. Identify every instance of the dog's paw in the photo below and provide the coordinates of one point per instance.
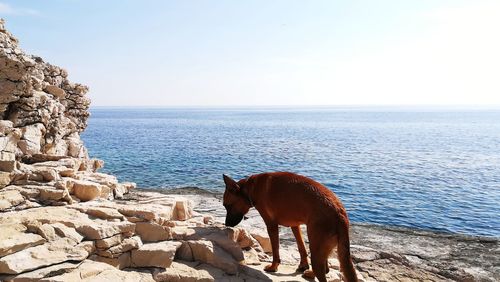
(271, 268)
(309, 274)
(302, 268)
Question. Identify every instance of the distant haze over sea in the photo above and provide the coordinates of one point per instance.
(421, 167)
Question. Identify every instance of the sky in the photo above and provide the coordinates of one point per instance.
(268, 53)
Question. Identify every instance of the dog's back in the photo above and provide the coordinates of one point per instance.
(296, 198)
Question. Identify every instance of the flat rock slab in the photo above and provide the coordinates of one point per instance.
(41, 273)
(50, 253)
(104, 229)
(155, 254)
(99, 212)
(13, 239)
(92, 229)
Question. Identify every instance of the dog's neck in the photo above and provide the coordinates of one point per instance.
(245, 192)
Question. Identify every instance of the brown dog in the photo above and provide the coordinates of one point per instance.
(288, 199)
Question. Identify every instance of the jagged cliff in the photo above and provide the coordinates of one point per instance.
(42, 111)
(43, 114)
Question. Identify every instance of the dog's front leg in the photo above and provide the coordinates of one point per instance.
(273, 231)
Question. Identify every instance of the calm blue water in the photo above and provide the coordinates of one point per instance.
(427, 169)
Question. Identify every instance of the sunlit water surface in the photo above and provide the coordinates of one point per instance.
(430, 169)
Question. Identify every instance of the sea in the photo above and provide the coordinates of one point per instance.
(425, 168)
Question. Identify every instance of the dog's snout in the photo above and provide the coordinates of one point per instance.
(233, 219)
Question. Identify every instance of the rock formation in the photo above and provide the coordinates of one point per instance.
(43, 114)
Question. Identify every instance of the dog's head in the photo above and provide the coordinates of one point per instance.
(235, 202)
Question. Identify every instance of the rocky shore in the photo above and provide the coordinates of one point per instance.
(386, 253)
(62, 220)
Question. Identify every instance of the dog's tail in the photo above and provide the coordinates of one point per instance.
(344, 254)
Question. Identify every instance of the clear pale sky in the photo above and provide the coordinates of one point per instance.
(223, 53)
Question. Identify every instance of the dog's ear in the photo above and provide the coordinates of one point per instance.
(230, 183)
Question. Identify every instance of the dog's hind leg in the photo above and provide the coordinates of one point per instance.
(304, 265)
(321, 244)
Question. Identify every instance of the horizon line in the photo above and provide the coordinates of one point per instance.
(446, 106)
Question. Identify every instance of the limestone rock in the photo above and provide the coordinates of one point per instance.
(37, 274)
(86, 190)
(244, 239)
(67, 232)
(42, 114)
(120, 262)
(105, 229)
(7, 161)
(140, 212)
(184, 252)
(182, 272)
(152, 232)
(56, 91)
(47, 231)
(5, 178)
(100, 212)
(92, 229)
(263, 238)
(155, 254)
(98, 271)
(43, 255)
(109, 242)
(52, 194)
(208, 252)
(123, 188)
(125, 246)
(13, 239)
(183, 210)
(225, 238)
(251, 257)
(10, 198)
